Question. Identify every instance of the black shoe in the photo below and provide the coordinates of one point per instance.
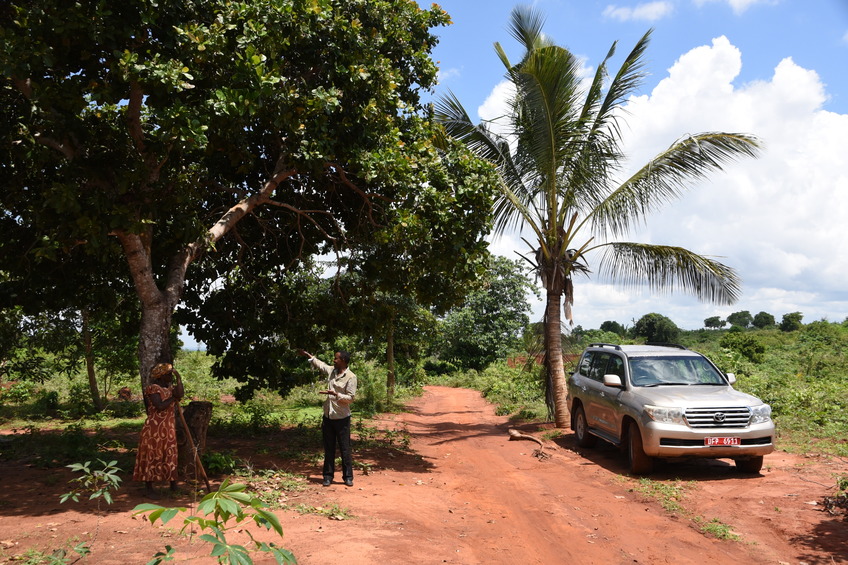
(327, 482)
(349, 482)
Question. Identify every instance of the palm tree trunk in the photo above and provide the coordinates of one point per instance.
(553, 349)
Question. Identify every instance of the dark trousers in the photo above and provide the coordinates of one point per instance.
(337, 432)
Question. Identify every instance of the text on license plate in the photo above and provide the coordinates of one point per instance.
(721, 441)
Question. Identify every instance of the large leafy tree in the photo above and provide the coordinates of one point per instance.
(560, 162)
(193, 139)
(492, 319)
(420, 261)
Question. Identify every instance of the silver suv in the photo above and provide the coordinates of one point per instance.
(666, 401)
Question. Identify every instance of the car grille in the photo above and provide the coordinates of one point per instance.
(735, 417)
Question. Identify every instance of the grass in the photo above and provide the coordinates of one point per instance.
(671, 495)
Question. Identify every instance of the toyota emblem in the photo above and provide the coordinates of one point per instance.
(719, 417)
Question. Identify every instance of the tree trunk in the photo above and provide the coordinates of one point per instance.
(154, 345)
(553, 349)
(390, 362)
(89, 362)
(197, 416)
(158, 304)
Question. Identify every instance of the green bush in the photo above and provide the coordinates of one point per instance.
(19, 392)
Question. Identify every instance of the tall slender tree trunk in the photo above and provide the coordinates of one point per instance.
(89, 361)
(553, 349)
(390, 362)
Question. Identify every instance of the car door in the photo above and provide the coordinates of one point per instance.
(607, 398)
(596, 402)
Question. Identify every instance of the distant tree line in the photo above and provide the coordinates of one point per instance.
(743, 319)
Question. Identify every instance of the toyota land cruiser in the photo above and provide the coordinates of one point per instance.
(664, 402)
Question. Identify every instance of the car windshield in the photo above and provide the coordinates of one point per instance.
(673, 370)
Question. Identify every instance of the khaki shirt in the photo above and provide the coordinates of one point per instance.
(344, 385)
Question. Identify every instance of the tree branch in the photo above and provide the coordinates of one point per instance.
(141, 268)
(134, 116)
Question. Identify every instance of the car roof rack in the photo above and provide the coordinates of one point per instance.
(663, 344)
(614, 346)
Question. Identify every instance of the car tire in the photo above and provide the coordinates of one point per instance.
(640, 463)
(750, 465)
(581, 428)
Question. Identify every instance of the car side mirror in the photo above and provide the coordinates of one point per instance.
(731, 378)
(612, 380)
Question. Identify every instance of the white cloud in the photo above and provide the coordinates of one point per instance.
(650, 11)
(778, 219)
(738, 6)
(446, 75)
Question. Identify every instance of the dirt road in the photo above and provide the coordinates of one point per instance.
(480, 498)
(472, 496)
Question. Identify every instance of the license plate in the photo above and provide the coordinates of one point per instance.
(721, 441)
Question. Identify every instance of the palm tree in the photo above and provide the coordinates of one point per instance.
(558, 166)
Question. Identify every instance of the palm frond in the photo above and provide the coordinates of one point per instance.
(600, 150)
(666, 269)
(668, 175)
(525, 26)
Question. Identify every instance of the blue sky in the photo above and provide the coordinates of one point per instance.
(777, 69)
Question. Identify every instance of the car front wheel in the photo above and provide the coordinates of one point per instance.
(581, 428)
(640, 462)
(750, 465)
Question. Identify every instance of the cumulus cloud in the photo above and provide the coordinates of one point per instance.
(650, 11)
(738, 6)
(778, 220)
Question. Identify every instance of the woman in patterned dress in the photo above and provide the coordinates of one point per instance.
(157, 447)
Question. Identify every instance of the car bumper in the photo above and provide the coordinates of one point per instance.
(671, 440)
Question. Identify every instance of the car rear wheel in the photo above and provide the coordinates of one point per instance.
(581, 428)
(640, 463)
(750, 465)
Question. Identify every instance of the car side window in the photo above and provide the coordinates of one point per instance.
(599, 366)
(615, 367)
(585, 364)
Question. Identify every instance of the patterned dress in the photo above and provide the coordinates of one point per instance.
(157, 448)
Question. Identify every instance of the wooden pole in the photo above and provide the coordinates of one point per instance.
(193, 448)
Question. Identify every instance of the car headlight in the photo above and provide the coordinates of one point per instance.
(760, 414)
(665, 415)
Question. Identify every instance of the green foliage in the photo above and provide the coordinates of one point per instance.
(763, 320)
(745, 344)
(613, 327)
(714, 322)
(96, 482)
(491, 321)
(219, 463)
(46, 402)
(19, 392)
(656, 328)
(229, 502)
(586, 337)
(742, 319)
(791, 322)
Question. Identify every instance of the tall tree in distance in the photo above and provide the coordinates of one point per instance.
(559, 165)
